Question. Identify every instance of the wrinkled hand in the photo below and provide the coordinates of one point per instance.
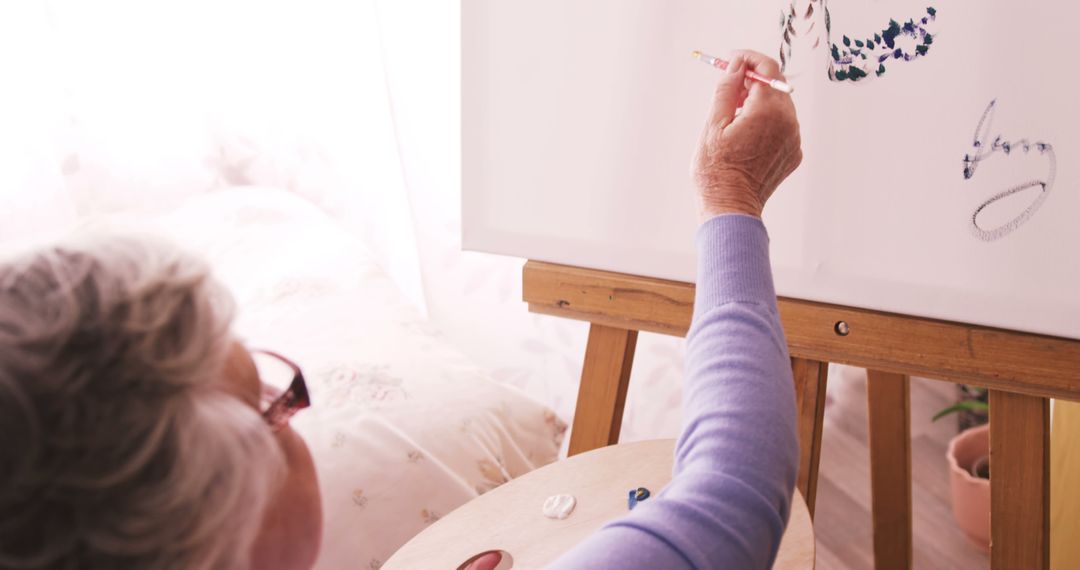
(743, 158)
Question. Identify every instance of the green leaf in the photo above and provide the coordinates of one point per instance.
(974, 391)
(859, 43)
(847, 41)
(973, 405)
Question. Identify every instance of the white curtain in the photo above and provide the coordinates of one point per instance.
(134, 105)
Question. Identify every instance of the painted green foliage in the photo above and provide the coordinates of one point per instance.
(847, 60)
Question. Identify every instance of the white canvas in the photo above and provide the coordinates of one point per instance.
(580, 119)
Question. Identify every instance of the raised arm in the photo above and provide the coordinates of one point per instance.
(735, 461)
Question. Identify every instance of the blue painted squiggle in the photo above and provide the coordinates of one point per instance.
(983, 151)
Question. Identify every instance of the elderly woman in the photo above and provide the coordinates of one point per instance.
(137, 432)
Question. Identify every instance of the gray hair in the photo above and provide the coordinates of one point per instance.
(117, 449)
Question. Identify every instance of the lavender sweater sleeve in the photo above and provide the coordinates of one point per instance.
(735, 462)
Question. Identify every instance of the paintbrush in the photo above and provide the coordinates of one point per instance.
(722, 64)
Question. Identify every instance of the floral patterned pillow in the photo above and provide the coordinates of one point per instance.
(403, 428)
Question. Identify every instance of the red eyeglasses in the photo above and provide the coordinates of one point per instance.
(284, 391)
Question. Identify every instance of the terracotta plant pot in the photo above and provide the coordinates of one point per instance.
(970, 495)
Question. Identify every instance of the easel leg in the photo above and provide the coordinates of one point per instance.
(811, 377)
(889, 416)
(602, 393)
(1019, 481)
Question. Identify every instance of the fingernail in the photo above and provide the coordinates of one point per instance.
(735, 66)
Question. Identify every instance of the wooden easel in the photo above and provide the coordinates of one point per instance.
(1021, 370)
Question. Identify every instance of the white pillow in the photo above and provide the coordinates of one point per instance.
(403, 428)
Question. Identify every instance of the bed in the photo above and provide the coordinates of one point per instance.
(251, 155)
(403, 428)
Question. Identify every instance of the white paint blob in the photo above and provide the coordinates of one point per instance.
(559, 506)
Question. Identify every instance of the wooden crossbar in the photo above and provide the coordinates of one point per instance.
(1005, 360)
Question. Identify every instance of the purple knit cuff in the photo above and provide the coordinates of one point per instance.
(733, 262)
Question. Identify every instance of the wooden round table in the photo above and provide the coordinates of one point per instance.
(508, 518)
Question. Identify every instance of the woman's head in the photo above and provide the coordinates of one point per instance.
(128, 437)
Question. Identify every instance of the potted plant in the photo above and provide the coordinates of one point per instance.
(968, 457)
(971, 409)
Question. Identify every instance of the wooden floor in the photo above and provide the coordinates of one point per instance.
(842, 522)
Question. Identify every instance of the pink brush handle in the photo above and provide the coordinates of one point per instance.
(774, 83)
(721, 64)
